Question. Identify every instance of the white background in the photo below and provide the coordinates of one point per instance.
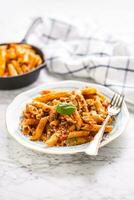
(116, 15)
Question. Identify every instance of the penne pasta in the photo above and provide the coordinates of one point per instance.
(39, 129)
(63, 118)
(82, 103)
(68, 119)
(50, 96)
(90, 102)
(71, 128)
(30, 122)
(40, 114)
(88, 92)
(75, 134)
(26, 46)
(16, 59)
(10, 54)
(25, 68)
(98, 106)
(17, 66)
(54, 123)
(2, 61)
(38, 60)
(78, 120)
(26, 58)
(52, 115)
(32, 109)
(88, 118)
(96, 128)
(12, 70)
(41, 105)
(52, 141)
(102, 97)
(26, 129)
(78, 141)
(98, 118)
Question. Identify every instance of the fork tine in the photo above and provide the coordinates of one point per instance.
(113, 100)
(117, 100)
(121, 101)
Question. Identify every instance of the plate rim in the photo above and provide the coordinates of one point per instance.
(47, 150)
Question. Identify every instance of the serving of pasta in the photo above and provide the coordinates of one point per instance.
(17, 59)
(65, 118)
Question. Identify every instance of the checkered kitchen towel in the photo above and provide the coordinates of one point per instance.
(85, 50)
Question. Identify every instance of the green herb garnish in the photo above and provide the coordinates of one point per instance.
(65, 108)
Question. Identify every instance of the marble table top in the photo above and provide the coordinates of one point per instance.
(25, 174)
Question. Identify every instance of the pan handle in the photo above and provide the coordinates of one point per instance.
(31, 28)
(42, 66)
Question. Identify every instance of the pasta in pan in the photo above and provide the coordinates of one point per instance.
(65, 118)
(17, 59)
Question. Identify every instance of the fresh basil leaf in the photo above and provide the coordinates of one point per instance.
(65, 108)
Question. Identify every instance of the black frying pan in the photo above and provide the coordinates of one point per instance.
(14, 82)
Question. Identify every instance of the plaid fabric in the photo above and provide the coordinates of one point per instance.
(86, 50)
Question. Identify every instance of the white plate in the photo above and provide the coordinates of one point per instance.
(14, 112)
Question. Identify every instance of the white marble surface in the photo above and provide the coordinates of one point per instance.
(26, 175)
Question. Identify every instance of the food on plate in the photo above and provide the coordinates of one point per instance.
(65, 118)
(17, 59)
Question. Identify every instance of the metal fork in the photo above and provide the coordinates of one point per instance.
(113, 109)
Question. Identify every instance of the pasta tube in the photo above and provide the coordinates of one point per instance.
(52, 141)
(96, 128)
(44, 106)
(12, 71)
(17, 66)
(2, 61)
(82, 103)
(78, 141)
(39, 129)
(78, 120)
(88, 91)
(30, 122)
(50, 96)
(74, 134)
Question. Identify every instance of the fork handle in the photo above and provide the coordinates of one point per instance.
(94, 145)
